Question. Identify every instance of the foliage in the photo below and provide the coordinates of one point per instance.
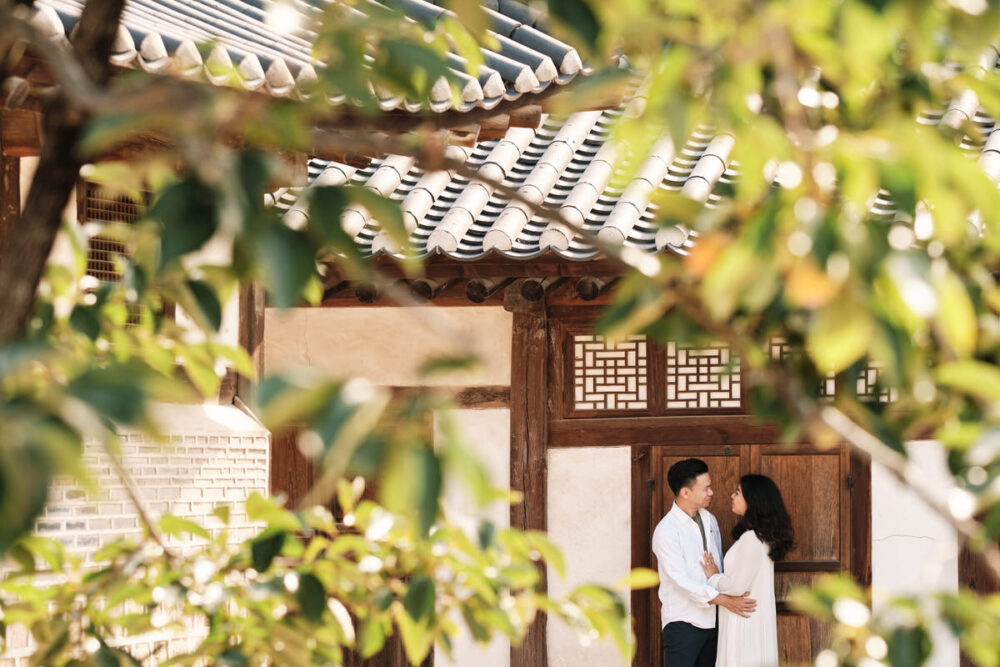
(821, 99)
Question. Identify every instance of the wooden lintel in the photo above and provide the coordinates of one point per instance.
(651, 431)
(443, 267)
(528, 450)
(20, 133)
(529, 116)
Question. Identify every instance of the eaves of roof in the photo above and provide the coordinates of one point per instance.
(163, 36)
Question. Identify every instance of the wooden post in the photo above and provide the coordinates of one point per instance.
(645, 618)
(251, 336)
(528, 441)
(10, 196)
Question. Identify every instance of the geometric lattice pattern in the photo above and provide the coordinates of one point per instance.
(867, 384)
(105, 253)
(702, 377)
(609, 376)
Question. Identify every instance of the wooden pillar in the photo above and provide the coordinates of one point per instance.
(251, 336)
(528, 441)
(643, 610)
(10, 196)
(861, 519)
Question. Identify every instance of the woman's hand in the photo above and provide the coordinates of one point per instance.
(708, 565)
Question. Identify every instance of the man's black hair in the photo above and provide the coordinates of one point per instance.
(684, 473)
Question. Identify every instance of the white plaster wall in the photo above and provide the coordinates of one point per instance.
(589, 517)
(913, 549)
(486, 434)
(388, 345)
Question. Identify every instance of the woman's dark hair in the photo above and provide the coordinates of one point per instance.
(766, 515)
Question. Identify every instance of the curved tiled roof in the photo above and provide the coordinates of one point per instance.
(570, 163)
(163, 36)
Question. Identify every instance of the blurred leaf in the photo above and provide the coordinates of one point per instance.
(416, 638)
(419, 599)
(177, 526)
(839, 335)
(956, 315)
(578, 17)
(264, 548)
(84, 319)
(209, 310)
(371, 638)
(448, 364)
(908, 646)
(641, 577)
(287, 260)
(311, 596)
(975, 378)
(188, 215)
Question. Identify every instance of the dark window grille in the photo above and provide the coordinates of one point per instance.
(98, 205)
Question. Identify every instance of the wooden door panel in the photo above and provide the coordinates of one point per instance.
(800, 638)
(813, 487)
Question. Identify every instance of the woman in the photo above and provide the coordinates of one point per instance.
(763, 536)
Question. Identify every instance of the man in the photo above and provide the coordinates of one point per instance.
(680, 542)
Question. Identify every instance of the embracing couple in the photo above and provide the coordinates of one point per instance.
(698, 586)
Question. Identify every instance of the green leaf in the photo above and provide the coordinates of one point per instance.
(908, 646)
(641, 577)
(371, 638)
(579, 17)
(106, 657)
(114, 391)
(956, 316)
(971, 377)
(231, 657)
(265, 548)
(222, 512)
(25, 476)
(175, 525)
(416, 637)
(259, 508)
(311, 596)
(419, 599)
(839, 335)
(486, 532)
(84, 319)
(428, 471)
(189, 218)
(208, 303)
(287, 260)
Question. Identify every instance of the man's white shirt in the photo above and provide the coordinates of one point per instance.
(684, 588)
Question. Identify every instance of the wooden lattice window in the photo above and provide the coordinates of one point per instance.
(868, 384)
(97, 205)
(636, 377)
(609, 375)
(702, 377)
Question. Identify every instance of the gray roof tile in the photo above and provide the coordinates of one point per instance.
(162, 36)
(569, 163)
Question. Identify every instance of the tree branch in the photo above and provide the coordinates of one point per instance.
(22, 261)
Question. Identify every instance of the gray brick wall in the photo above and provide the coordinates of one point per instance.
(202, 463)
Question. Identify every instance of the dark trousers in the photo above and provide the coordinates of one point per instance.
(686, 645)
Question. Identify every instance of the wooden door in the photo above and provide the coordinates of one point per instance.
(815, 485)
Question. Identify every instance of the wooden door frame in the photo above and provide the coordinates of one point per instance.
(645, 514)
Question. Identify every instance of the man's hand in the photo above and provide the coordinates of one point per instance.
(740, 605)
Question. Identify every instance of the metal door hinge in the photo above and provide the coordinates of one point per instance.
(652, 484)
(850, 482)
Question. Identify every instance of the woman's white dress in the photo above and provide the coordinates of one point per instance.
(753, 641)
